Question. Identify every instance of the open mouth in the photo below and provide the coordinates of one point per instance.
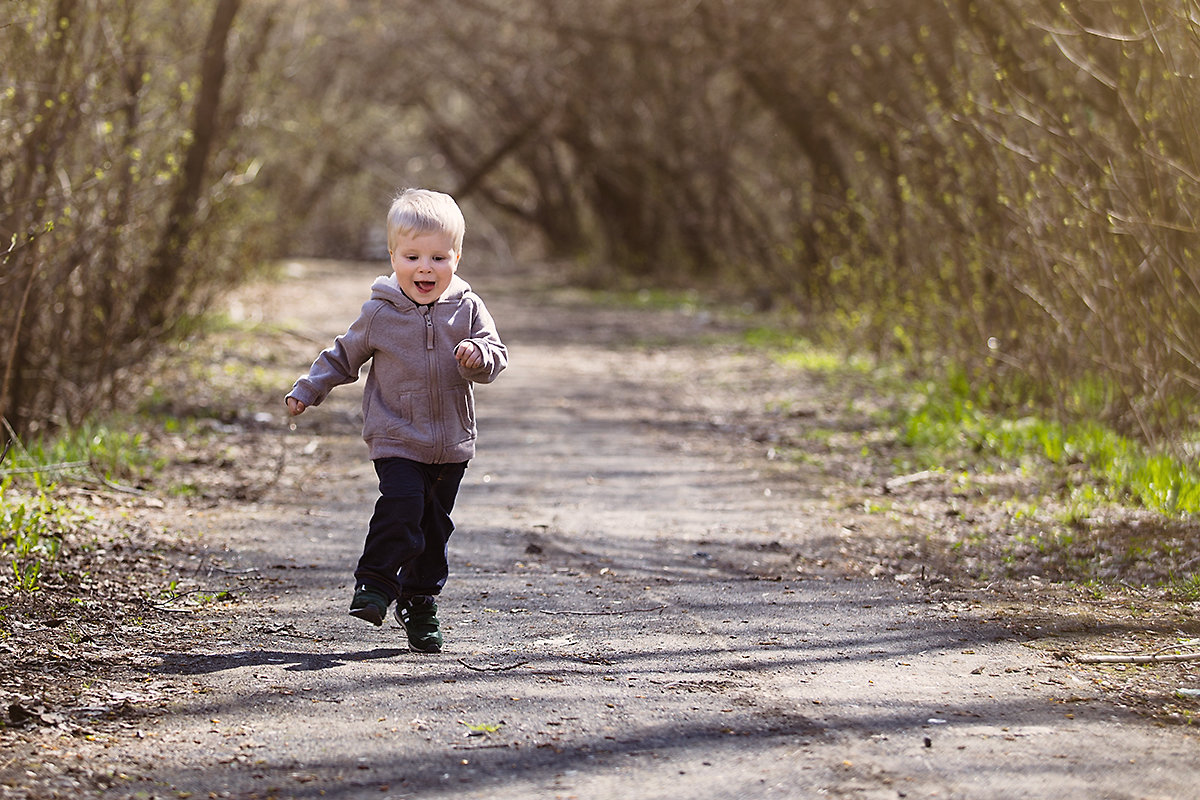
(425, 287)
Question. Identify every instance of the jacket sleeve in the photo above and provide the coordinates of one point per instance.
(339, 363)
(487, 339)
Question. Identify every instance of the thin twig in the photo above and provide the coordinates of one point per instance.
(12, 435)
(500, 746)
(601, 613)
(492, 668)
(916, 477)
(60, 467)
(116, 487)
(1167, 647)
(63, 466)
(1109, 658)
(165, 604)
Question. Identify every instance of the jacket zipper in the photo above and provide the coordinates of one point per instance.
(435, 395)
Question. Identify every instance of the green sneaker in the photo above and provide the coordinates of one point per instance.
(418, 615)
(370, 604)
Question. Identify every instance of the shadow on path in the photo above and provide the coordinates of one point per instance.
(188, 664)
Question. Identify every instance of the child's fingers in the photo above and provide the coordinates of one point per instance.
(468, 355)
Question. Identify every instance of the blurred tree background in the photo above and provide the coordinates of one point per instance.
(1005, 188)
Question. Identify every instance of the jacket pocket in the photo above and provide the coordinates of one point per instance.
(465, 407)
(392, 419)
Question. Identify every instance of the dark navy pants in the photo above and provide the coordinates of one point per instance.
(405, 552)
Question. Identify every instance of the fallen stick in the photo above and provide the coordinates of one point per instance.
(492, 667)
(1169, 658)
(916, 477)
(232, 571)
(61, 467)
(116, 487)
(613, 613)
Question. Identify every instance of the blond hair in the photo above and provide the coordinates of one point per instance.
(416, 211)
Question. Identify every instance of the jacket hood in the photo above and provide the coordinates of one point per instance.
(386, 288)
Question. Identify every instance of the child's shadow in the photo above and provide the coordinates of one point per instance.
(184, 664)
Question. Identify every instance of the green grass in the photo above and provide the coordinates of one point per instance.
(1186, 589)
(947, 422)
(797, 352)
(665, 300)
(33, 521)
(31, 530)
(103, 448)
(949, 426)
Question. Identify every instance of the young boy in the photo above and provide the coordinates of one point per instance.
(428, 337)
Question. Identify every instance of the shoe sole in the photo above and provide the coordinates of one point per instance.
(369, 613)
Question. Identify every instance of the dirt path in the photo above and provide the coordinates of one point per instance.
(639, 606)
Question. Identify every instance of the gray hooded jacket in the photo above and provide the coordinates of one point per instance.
(417, 401)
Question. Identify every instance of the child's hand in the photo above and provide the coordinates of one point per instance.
(295, 407)
(469, 355)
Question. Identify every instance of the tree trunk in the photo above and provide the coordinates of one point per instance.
(157, 300)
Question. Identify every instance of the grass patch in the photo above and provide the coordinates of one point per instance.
(1037, 496)
(664, 300)
(110, 450)
(1187, 589)
(949, 422)
(33, 519)
(32, 526)
(797, 352)
(949, 428)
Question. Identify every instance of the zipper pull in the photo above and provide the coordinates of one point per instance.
(428, 312)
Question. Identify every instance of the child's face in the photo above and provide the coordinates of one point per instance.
(424, 263)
